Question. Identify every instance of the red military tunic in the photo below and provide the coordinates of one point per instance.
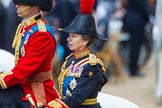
(33, 56)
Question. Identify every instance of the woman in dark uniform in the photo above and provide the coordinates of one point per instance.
(82, 74)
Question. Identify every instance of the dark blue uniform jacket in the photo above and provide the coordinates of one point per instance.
(81, 78)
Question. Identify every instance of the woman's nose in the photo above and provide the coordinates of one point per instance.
(68, 38)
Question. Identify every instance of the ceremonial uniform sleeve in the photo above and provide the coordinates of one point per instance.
(37, 58)
(89, 81)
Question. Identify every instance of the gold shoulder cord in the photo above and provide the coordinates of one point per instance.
(41, 26)
(62, 76)
(17, 42)
(103, 68)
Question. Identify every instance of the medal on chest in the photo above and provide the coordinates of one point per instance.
(75, 70)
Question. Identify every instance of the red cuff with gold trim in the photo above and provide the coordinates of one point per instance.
(2, 76)
(57, 103)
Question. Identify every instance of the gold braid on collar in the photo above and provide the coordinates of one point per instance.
(82, 53)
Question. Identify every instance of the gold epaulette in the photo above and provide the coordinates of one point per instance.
(41, 26)
(93, 60)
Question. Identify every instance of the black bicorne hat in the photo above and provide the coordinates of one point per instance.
(83, 24)
(45, 5)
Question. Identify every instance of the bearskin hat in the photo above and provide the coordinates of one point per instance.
(45, 5)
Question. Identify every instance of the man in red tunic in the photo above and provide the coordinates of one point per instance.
(35, 46)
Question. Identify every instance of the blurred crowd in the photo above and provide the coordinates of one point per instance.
(109, 16)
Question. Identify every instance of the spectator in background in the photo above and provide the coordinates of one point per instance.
(2, 24)
(134, 21)
(67, 10)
